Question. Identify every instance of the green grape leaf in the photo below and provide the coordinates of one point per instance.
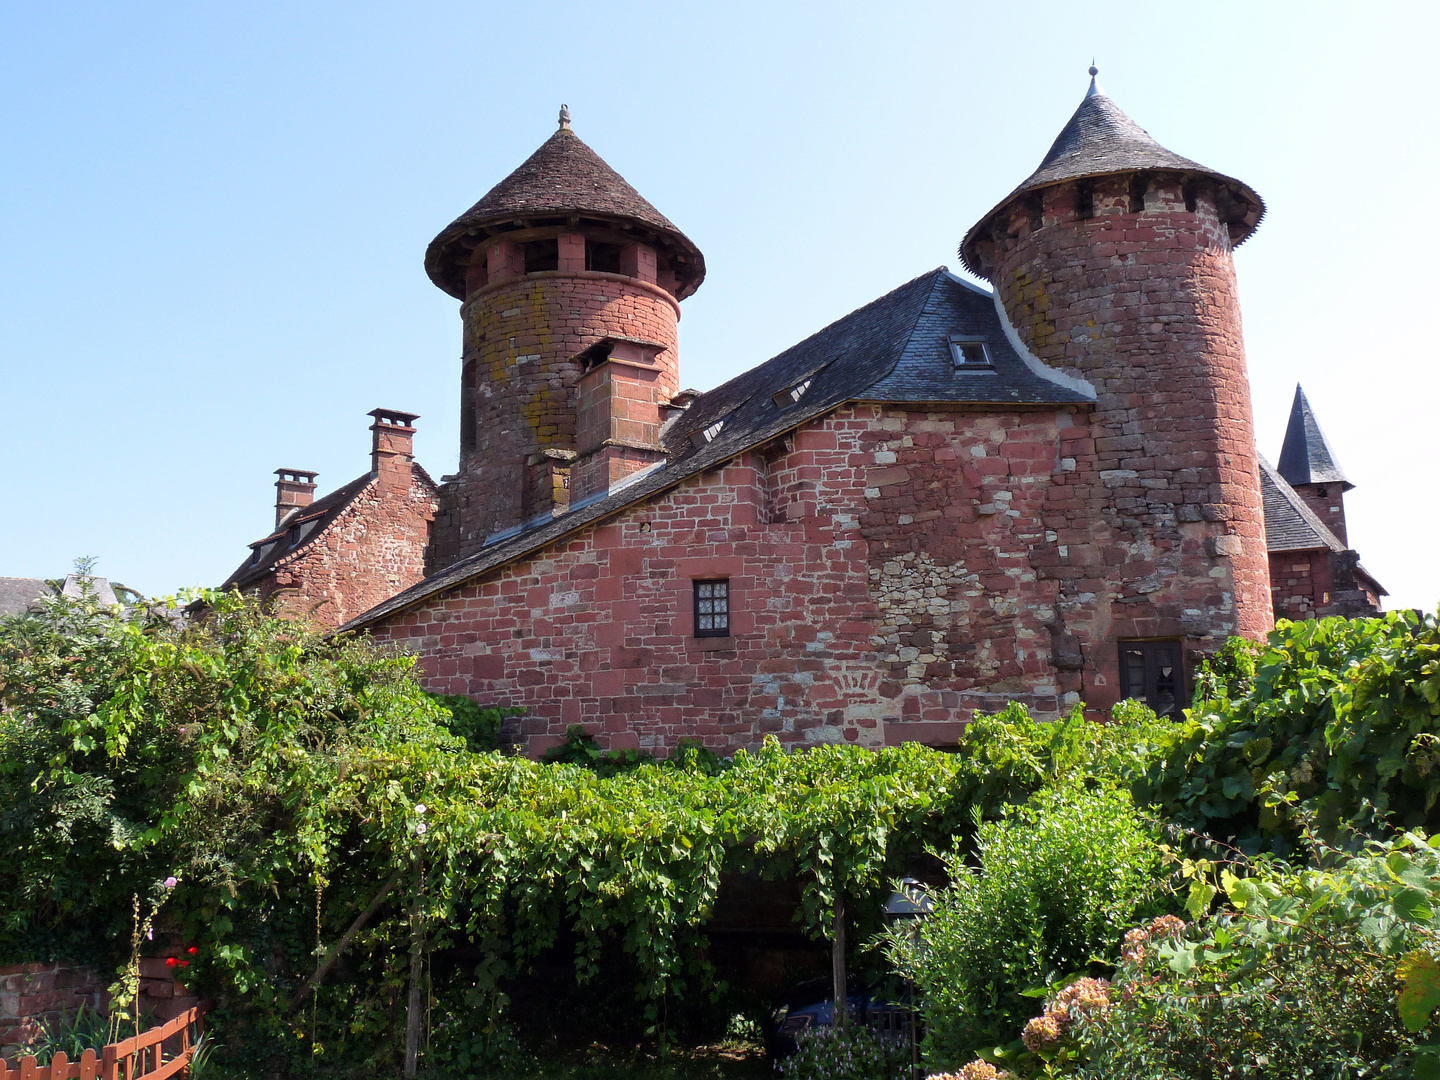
(1419, 977)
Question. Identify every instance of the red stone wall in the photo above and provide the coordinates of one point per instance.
(52, 992)
(1316, 584)
(1328, 502)
(1166, 485)
(890, 572)
(1299, 583)
(31, 993)
(518, 391)
(374, 549)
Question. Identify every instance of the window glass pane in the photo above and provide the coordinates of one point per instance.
(1133, 675)
(712, 608)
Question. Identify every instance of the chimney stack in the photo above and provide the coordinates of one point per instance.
(294, 489)
(392, 449)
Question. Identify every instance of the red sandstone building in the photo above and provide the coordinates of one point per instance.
(333, 559)
(948, 500)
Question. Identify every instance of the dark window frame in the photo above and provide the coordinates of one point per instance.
(1154, 653)
(958, 344)
(715, 613)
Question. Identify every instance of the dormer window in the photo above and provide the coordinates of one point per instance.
(708, 434)
(300, 532)
(792, 395)
(260, 551)
(970, 353)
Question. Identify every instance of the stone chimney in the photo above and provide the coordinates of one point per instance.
(618, 428)
(392, 451)
(294, 489)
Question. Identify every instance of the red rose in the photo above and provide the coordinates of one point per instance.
(192, 950)
(184, 963)
(170, 961)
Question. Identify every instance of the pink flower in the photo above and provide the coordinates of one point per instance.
(171, 882)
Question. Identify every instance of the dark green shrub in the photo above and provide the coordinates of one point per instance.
(853, 1053)
(1058, 880)
(477, 725)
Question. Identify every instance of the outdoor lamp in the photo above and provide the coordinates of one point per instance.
(909, 904)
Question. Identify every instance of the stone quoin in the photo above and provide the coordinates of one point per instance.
(946, 501)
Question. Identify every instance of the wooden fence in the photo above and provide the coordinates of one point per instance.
(141, 1057)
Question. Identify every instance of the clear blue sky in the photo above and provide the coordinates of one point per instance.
(214, 217)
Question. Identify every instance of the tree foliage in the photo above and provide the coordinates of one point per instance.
(1339, 718)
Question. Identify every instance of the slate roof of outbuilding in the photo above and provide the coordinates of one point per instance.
(1100, 140)
(892, 350)
(564, 176)
(1305, 456)
(322, 512)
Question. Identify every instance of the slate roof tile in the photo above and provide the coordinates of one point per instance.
(566, 177)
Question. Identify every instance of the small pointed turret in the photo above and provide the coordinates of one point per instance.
(1309, 466)
(1306, 457)
(1101, 140)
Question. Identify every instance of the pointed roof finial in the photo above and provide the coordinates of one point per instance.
(564, 117)
(1094, 86)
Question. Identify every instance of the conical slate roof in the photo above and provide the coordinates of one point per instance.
(1306, 457)
(562, 178)
(1100, 140)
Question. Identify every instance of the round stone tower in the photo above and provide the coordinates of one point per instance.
(1113, 263)
(570, 285)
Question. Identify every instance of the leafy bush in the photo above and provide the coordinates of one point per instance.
(1297, 977)
(853, 1053)
(1058, 881)
(477, 725)
(1337, 717)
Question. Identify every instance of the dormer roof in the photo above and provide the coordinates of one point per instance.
(563, 180)
(1101, 140)
(1305, 456)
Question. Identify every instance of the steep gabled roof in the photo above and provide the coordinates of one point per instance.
(1100, 140)
(305, 528)
(563, 177)
(1305, 456)
(893, 350)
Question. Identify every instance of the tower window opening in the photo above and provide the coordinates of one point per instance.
(712, 608)
(1035, 204)
(1151, 673)
(1190, 196)
(602, 257)
(1138, 186)
(1084, 200)
(970, 353)
(541, 255)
